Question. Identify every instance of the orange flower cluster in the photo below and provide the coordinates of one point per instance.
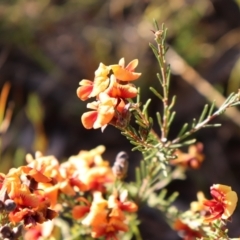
(111, 88)
(30, 206)
(31, 192)
(105, 217)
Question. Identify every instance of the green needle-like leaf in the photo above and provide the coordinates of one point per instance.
(203, 114)
(211, 109)
(156, 93)
(159, 119)
(171, 119)
(146, 105)
(183, 129)
(172, 102)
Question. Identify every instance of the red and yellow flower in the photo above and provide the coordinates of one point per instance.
(223, 203)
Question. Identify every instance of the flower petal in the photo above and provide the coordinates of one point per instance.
(80, 211)
(88, 119)
(132, 65)
(123, 74)
(84, 91)
(122, 62)
(117, 90)
(101, 80)
(231, 202)
(100, 85)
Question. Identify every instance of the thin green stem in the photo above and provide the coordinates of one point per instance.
(200, 125)
(164, 82)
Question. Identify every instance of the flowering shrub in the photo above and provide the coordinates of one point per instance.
(86, 198)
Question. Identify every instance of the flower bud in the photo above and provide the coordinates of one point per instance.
(120, 166)
(5, 232)
(10, 205)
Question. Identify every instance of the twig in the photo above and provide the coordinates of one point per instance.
(180, 67)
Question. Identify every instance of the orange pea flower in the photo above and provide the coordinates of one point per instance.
(185, 231)
(80, 211)
(46, 230)
(121, 202)
(97, 177)
(101, 80)
(50, 166)
(106, 218)
(223, 203)
(192, 159)
(22, 178)
(117, 90)
(104, 111)
(125, 73)
(47, 165)
(100, 83)
(62, 181)
(86, 159)
(111, 82)
(90, 168)
(33, 215)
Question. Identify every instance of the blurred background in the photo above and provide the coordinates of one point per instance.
(48, 46)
